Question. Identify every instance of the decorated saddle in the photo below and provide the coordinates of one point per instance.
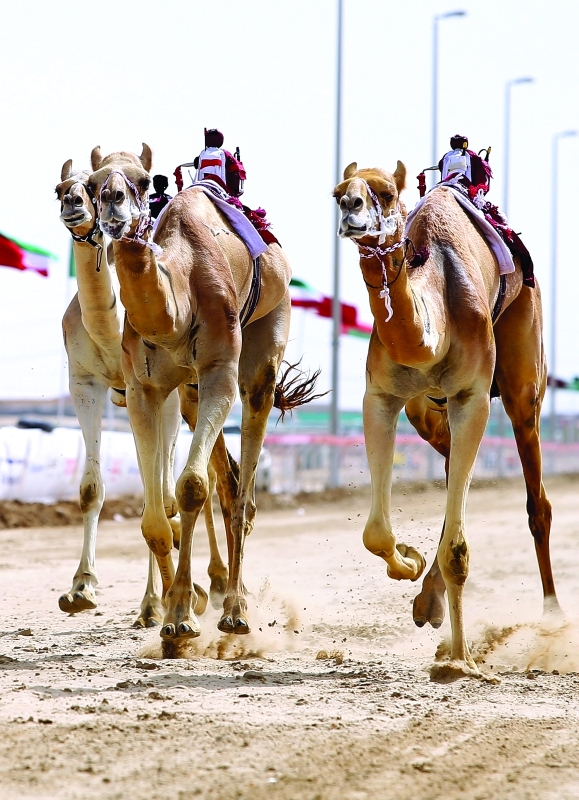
(501, 239)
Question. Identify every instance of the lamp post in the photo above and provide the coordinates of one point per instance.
(507, 140)
(554, 233)
(336, 306)
(435, 21)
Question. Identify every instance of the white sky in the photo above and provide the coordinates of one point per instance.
(119, 72)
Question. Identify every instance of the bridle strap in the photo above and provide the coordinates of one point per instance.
(89, 238)
(144, 224)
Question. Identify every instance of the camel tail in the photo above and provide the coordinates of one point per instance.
(295, 388)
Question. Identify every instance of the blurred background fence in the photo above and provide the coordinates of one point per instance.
(304, 463)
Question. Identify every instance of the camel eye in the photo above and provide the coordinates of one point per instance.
(386, 196)
(144, 184)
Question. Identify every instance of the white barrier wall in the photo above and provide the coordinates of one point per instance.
(41, 467)
(45, 467)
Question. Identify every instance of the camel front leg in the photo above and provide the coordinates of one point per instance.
(380, 417)
(88, 396)
(217, 384)
(468, 416)
(145, 407)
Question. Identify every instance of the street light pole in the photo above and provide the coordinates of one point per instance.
(554, 235)
(507, 139)
(435, 21)
(336, 306)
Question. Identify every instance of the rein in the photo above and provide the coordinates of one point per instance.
(388, 227)
(144, 224)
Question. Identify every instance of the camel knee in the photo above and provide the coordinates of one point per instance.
(192, 491)
(159, 543)
(92, 491)
(453, 560)
(378, 540)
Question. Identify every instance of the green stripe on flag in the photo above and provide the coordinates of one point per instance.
(71, 263)
(30, 248)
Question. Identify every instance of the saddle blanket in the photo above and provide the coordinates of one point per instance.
(492, 238)
(237, 219)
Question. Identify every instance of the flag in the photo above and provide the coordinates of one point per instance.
(305, 296)
(19, 255)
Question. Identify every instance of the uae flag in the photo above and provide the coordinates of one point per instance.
(305, 296)
(19, 255)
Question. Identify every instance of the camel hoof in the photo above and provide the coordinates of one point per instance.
(225, 624)
(186, 631)
(410, 564)
(428, 606)
(241, 627)
(202, 599)
(450, 671)
(168, 632)
(79, 601)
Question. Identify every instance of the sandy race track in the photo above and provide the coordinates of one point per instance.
(330, 695)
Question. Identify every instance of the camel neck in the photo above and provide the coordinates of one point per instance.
(96, 293)
(405, 335)
(146, 290)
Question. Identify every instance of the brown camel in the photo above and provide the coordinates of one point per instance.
(183, 330)
(92, 327)
(433, 350)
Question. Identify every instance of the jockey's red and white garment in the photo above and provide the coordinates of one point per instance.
(456, 162)
(212, 164)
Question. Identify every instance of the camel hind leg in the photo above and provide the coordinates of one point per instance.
(521, 375)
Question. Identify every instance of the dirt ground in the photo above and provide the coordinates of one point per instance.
(328, 697)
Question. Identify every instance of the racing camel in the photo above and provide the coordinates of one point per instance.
(433, 350)
(183, 330)
(92, 327)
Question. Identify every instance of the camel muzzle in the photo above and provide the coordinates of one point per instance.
(73, 212)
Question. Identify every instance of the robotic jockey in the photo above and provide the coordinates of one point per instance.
(216, 164)
(463, 166)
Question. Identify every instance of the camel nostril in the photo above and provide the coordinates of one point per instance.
(67, 200)
(119, 196)
(78, 201)
(358, 203)
(344, 203)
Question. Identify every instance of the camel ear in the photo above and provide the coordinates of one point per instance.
(350, 170)
(400, 176)
(66, 170)
(96, 158)
(146, 157)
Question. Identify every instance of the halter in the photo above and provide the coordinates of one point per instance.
(89, 237)
(144, 224)
(380, 252)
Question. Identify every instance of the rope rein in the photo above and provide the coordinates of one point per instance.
(144, 224)
(380, 252)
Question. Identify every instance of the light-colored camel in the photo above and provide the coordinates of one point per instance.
(433, 350)
(183, 329)
(92, 327)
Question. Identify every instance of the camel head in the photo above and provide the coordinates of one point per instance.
(77, 203)
(120, 182)
(369, 202)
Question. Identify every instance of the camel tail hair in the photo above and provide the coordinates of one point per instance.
(295, 388)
